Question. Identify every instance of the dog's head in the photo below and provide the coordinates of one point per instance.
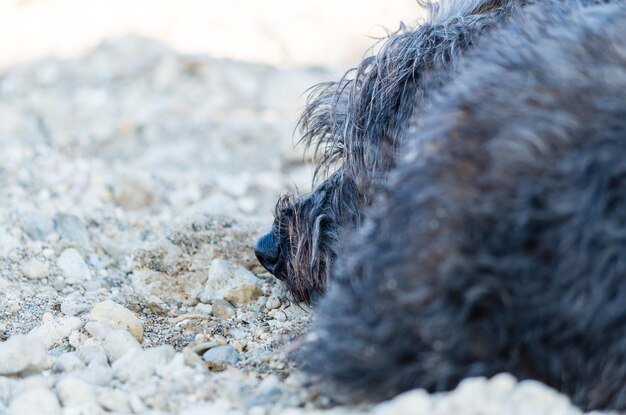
(356, 126)
(302, 244)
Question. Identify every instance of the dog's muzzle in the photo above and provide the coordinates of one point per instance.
(267, 251)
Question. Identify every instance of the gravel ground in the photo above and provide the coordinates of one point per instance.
(134, 182)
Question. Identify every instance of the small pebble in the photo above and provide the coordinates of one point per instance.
(280, 316)
(35, 269)
(244, 294)
(113, 400)
(73, 306)
(204, 309)
(223, 309)
(223, 277)
(272, 303)
(117, 316)
(118, 343)
(221, 354)
(71, 228)
(73, 266)
(68, 362)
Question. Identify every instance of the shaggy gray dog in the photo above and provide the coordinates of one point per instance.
(498, 241)
(357, 125)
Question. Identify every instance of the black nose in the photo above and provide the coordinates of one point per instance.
(267, 251)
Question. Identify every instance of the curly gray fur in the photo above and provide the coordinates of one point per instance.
(357, 125)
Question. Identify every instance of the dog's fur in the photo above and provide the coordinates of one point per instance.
(357, 126)
(498, 241)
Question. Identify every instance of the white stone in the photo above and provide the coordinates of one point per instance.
(75, 392)
(502, 384)
(73, 306)
(35, 269)
(416, 401)
(272, 303)
(117, 316)
(113, 400)
(140, 366)
(73, 266)
(98, 330)
(68, 362)
(530, 394)
(35, 401)
(22, 353)
(93, 354)
(6, 389)
(56, 330)
(223, 277)
(204, 308)
(278, 315)
(118, 343)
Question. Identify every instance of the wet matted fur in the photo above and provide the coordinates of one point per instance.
(498, 243)
(357, 126)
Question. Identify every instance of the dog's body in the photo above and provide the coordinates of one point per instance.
(497, 240)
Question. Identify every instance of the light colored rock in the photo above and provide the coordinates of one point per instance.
(56, 330)
(35, 269)
(244, 294)
(95, 374)
(502, 384)
(223, 309)
(117, 316)
(163, 271)
(68, 362)
(74, 392)
(113, 400)
(93, 353)
(77, 338)
(118, 343)
(6, 387)
(71, 228)
(530, 394)
(221, 355)
(223, 277)
(73, 266)
(191, 358)
(37, 225)
(272, 303)
(22, 353)
(413, 402)
(296, 311)
(98, 330)
(140, 366)
(204, 308)
(207, 408)
(278, 315)
(73, 306)
(35, 401)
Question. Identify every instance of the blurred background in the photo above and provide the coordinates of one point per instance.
(168, 107)
(305, 32)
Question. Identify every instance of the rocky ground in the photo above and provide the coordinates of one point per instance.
(134, 182)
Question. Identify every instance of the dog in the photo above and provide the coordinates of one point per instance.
(495, 240)
(356, 126)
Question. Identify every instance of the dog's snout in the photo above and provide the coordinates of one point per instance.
(267, 250)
